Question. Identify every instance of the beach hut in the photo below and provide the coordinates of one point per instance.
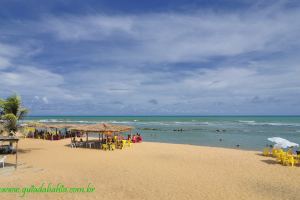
(100, 128)
(106, 129)
(103, 129)
(51, 128)
(11, 140)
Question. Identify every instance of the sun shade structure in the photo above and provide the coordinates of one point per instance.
(51, 130)
(49, 125)
(102, 128)
(94, 128)
(11, 139)
(282, 143)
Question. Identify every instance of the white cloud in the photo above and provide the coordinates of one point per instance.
(134, 64)
(45, 100)
(7, 53)
(88, 27)
(174, 37)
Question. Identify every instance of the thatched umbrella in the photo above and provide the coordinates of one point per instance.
(34, 124)
(106, 129)
(50, 126)
(102, 128)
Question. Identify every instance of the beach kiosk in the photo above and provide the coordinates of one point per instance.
(7, 147)
(102, 129)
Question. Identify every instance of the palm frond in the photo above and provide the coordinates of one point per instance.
(1, 107)
(12, 104)
(22, 113)
(10, 122)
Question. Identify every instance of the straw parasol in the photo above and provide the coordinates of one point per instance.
(52, 128)
(50, 125)
(282, 143)
(106, 129)
(102, 128)
(34, 124)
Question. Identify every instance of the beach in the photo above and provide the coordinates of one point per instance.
(149, 171)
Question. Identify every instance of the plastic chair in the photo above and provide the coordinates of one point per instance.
(280, 157)
(112, 147)
(290, 160)
(274, 152)
(73, 145)
(2, 160)
(105, 147)
(128, 142)
(124, 143)
(266, 151)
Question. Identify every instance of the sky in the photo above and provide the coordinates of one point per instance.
(141, 57)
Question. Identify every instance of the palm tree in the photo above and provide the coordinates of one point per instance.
(12, 111)
(10, 122)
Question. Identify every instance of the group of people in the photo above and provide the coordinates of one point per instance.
(136, 138)
(57, 135)
(133, 138)
(110, 140)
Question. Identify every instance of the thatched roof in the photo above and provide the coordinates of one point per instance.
(103, 128)
(34, 124)
(49, 125)
(97, 128)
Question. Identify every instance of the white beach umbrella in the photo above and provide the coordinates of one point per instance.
(282, 143)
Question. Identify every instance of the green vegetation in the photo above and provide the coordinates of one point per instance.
(11, 110)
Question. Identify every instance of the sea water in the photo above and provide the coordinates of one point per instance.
(248, 132)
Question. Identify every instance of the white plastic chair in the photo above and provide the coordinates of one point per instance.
(2, 161)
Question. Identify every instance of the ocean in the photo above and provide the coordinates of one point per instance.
(249, 132)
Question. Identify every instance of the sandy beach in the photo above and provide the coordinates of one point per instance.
(150, 171)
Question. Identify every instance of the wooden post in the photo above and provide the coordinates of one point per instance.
(16, 155)
(87, 138)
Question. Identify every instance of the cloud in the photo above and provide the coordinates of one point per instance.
(196, 62)
(7, 53)
(153, 101)
(258, 100)
(45, 100)
(87, 27)
(173, 37)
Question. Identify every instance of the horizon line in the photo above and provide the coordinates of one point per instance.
(258, 115)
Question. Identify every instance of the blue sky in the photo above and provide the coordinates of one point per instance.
(154, 57)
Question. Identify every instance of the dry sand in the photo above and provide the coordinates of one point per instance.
(151, 171)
